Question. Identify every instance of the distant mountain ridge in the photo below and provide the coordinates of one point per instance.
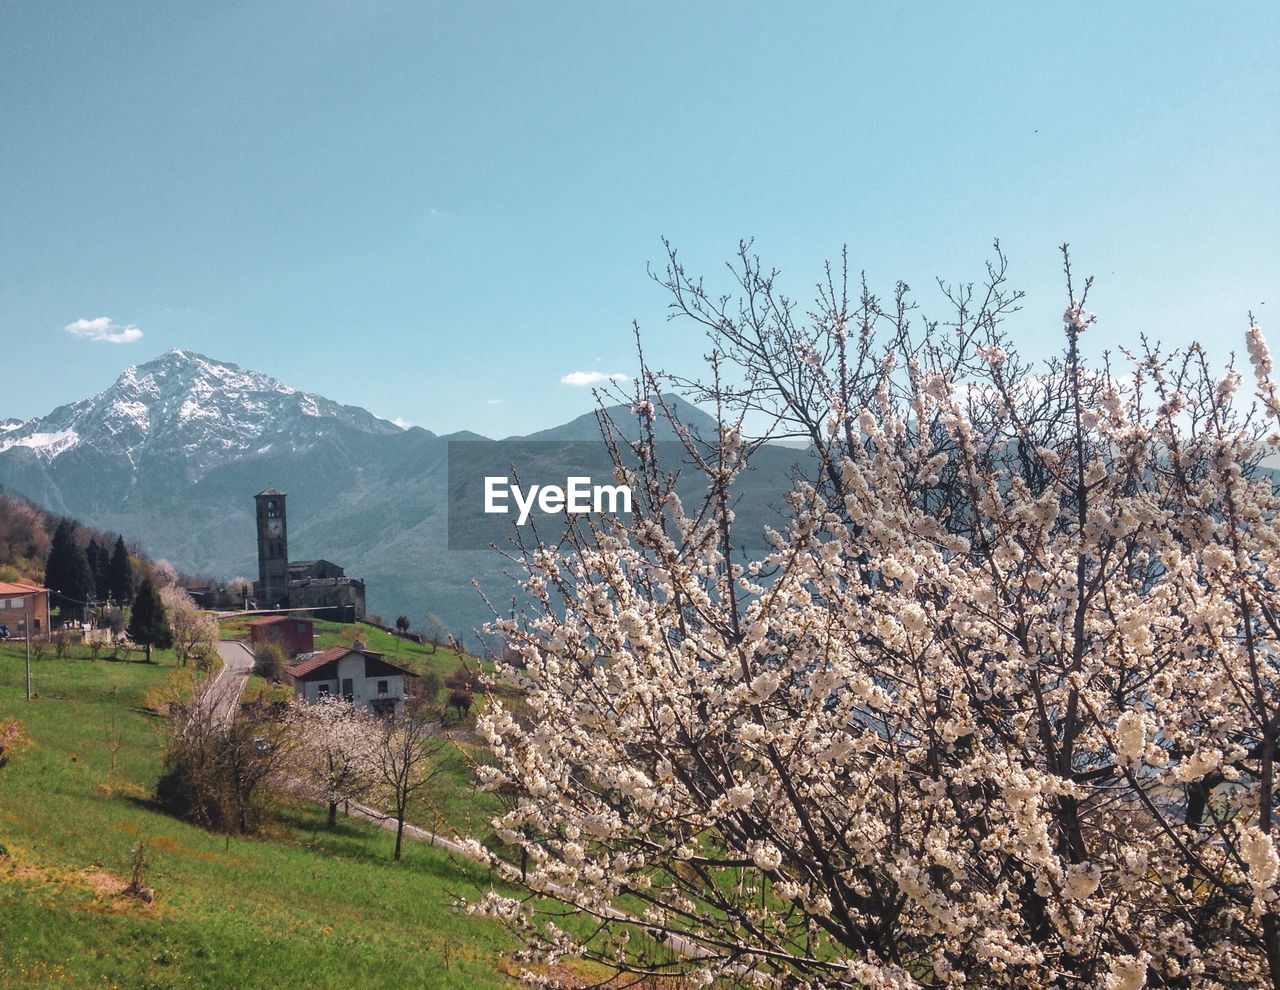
(175, 449)
(206, 411)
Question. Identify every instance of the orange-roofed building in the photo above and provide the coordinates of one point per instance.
(20, 602)
(293, 635)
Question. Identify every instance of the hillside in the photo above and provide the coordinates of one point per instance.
(26, 535)
(300, 906)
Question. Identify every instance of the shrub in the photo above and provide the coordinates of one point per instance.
(424, 691)
(460, 699)
(269, 661)
(223, 777)
(11, 738)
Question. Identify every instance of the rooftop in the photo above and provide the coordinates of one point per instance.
(314, 661)
(19, 588)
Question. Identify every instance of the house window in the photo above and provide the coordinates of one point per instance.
(322, 690)
(347, 690)
(382, 687)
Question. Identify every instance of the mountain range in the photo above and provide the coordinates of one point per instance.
(173, 452)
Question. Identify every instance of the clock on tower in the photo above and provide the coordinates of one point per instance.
(272, 588)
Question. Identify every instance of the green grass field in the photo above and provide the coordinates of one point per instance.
(301, 906)
(413, 655)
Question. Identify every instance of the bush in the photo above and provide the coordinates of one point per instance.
(460, 699)
(424, 691)
(269, 661)
(222, 777)
(10, 739)
(466, 679)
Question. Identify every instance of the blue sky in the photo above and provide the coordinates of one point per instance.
(427, 208)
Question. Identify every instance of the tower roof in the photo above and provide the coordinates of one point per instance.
(269, 491)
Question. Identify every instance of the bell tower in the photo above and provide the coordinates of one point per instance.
(272, 587)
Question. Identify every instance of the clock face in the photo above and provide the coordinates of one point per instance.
(273, 527)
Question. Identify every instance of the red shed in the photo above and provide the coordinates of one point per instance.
(293, 635)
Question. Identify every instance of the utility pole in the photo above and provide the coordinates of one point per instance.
(26, 625)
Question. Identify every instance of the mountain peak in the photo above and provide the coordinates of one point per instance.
(193, 410)
(624, 419)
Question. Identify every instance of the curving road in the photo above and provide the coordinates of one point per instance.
(223, 692)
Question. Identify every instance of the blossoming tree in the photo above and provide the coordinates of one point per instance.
(997, 709)
(336, 753)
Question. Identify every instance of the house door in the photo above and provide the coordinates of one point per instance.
(347, 691)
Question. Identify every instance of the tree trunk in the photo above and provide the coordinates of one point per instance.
(333, 813)
(399, 836)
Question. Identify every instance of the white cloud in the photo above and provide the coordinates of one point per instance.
(401, 422)
(104, 329)
(592, 378)
(493, 402)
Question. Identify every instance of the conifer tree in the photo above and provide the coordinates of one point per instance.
(149, 625)
(67, 570)
(99, 556)
(121, 573)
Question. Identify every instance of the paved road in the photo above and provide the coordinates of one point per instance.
(223, 692)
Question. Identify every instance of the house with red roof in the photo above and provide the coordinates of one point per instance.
(353, 673)
(292, 634)
(21, 602)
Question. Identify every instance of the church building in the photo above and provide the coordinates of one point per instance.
(311, 584)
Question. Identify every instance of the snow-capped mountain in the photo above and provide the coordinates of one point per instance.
(173, 453)
(194, 412)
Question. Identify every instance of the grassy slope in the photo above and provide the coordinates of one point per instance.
(303, 907)
(398, 650)
(451, 805)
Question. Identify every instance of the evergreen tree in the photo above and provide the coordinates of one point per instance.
(56, 564)
(67, 570)
(99, 555)
(149, 625)
(91, 555)
(121, 573)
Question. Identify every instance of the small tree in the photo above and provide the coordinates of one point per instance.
(163, 573)
(402, 624)
(148, 625)
(269, 661)
(113, 619)
(223, 775)
(336, 742)
(11, 739)
(423, 691)
(195, 632)
(405, 761)
(436, 632)
(239, 589)
(460, 699)
(62, 640)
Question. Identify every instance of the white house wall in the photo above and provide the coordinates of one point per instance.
(363, 689)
